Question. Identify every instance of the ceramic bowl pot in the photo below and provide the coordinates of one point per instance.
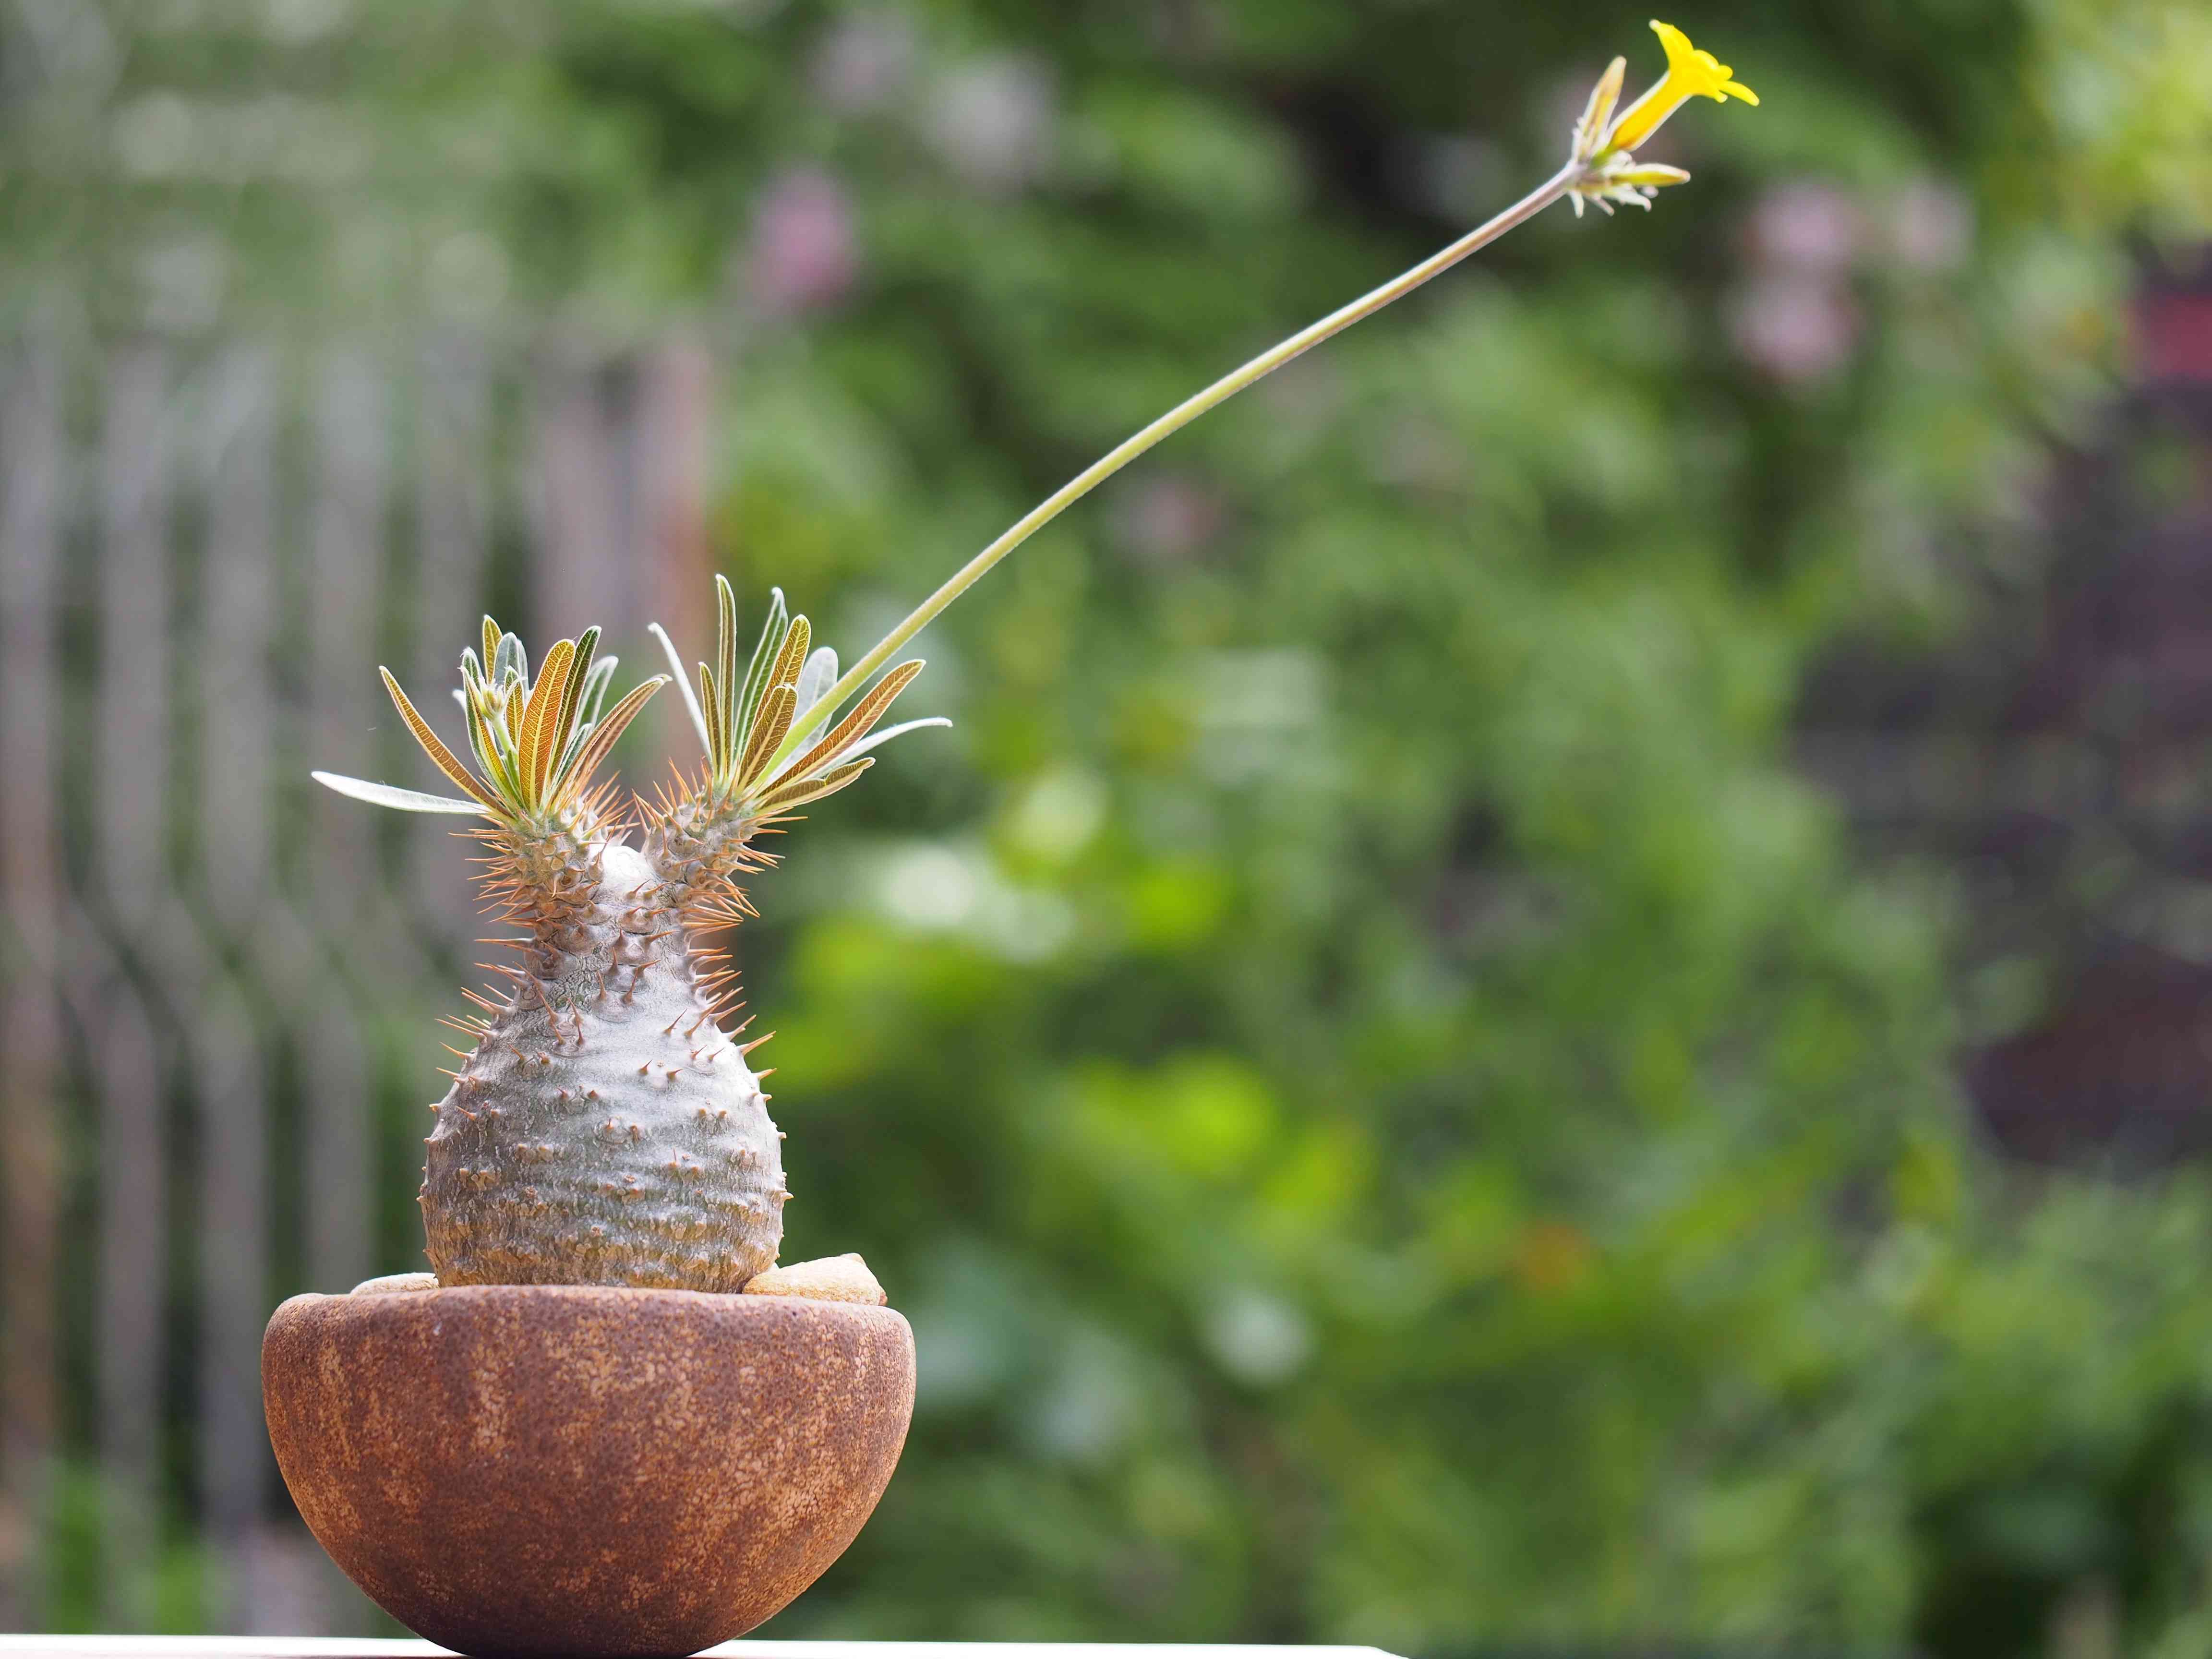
(543, 1469)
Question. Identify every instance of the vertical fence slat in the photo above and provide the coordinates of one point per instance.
(130, 1190)
(585, 572)
(234, 1459)
(454, 518)
(673, 439)
(344, 565)
(236, 632)
(236, 637)
(30, 884)
(134, 664)
(133, 1199)
(347, 557)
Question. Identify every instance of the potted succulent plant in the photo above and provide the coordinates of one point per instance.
(607, 1422)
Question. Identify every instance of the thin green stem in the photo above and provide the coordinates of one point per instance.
(1173, 420)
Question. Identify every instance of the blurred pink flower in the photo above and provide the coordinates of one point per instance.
(1798, 327)
(803, 254)
(1807, 226)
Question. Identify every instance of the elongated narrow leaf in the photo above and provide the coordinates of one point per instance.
(684, 684)
(803, 790)
(856, 725)
(543, 712)
(483, 740)
(878, 740)
(772, 720)
(400, 800)
(725, 637)
(595, 691)
(440, 755)
(756, 675)
(496, 764)
(479, 736)
(491, 644)
(512, 659)
(620, 715)
(792, 657)
(564, 769)
(817, 677)
(572, 694)
(717, 735)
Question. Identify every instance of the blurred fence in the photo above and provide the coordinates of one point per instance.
(205, 554)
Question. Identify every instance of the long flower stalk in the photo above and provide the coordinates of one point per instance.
(1600, 169)
(1173, 420)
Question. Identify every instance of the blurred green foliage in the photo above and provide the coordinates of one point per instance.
(1397, 1115)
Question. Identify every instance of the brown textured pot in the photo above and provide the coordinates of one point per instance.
(543, 1469)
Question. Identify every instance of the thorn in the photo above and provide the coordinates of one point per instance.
(747, 1047)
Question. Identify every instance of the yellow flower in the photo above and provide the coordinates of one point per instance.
(1690, 73)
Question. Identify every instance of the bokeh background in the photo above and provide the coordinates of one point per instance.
(1556, 993)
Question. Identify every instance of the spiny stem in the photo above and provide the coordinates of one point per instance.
(1173, 420)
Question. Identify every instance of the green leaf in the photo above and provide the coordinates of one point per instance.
(593, 702)
(399, 800)
(817, 677)
(725, 637)
(572, 693)
(511, 659)
(684, 684)
(756, 675)
(878, 740)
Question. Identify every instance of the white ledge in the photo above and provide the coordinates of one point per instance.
(319, 1647)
